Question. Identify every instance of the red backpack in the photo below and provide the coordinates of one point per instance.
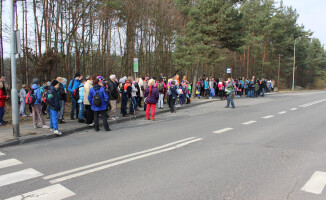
(30, 97)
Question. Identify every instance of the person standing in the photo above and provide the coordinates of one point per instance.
(99, 101)
(22, 97)
(80, 102)
(113, 96)
(126, 95)
(230, 93)
(53, 101)
(152, 96)
(173, 96)
(133, 102)
(36, 107)
(73, 85)
(160, 85)
(62, 99)
(3, 80)
(89, 114)
(2, 104)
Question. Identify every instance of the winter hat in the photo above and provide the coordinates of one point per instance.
(54, 82)
(77, 75)
(35, 81)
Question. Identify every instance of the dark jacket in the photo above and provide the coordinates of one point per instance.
(153, 98)
(174, 92)
(53, 99)
(113, 90)
(62, 94)
(103, 95)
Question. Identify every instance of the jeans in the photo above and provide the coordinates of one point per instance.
(54, 117)
(81, 111)
(133, 105)
(62, 109)
(151, 107)
(75, 106)
(104, 118)
(2, 113)
(230, 100)
(22, 107)
(263, 92)
(160, 100)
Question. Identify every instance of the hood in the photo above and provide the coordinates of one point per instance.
(81, 85)
(34, 87)
(97, 87)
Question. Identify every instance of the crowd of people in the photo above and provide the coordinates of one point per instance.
(94, 98)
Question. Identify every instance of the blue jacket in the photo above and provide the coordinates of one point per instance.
(53, 99)
(71, 87)
(103, 95)
(206, 85)
(37, 94)
(81, 93)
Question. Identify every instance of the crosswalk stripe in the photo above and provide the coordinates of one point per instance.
(281, 113)
(2, 154)
(9, 163)
(19, 176)
(54, 192)
(316, 183)
(294, 109)
(223, 130)
(268, 116)
(249, 122)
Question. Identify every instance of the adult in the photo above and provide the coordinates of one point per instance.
(62, 99)
(141, 91)
(126, 95)
(230, 93)
(113, 96)
(73, 85)
(2, 105)
(173, 96)
(99, 101)
(89, 114)
(36, 107)
(160, 85)
(3, 80)
(152, 96)
(133, 102)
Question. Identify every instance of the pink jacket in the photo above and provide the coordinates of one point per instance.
(164, 86)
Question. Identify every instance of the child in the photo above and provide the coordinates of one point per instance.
(174, 96)
(22, 95)
(152, 96)
(2, 105)
(80, 101)
(53, 101)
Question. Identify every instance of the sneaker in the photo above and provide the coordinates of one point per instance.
(81, 120)
(91, 125)
(35, 126)
(57, 132)
(45, 126)
(112, 118)
(51, 129)
(116, 118)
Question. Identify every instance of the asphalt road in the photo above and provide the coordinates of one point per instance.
(267, 148)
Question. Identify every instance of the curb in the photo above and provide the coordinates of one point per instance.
(31, 138)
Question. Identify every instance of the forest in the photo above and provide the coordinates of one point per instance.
(188, 37)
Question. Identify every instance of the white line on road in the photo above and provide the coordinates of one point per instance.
(15, 177)
(249, 122)
(54, 192)
(9, 163)
(281, 113)
(2, 154)
(268, 116)
(316, 183)
(115, 159)
(223, 130)
(294, 109)
(122, 161)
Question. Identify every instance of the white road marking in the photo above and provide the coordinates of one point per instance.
(19, 176)
(115, 159)
(9, 163)
(54, 192)
(294, 109)
(249, 122)
(268, 116)
(281, 113)
(2, 154)
(223, 130)
(316, 183)
(122, 161)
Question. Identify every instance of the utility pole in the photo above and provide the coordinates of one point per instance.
(279, 70)
(295, 41)
(14, 93)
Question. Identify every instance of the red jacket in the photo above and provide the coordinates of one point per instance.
(2, 99)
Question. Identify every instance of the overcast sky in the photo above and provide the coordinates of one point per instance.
(312, 16)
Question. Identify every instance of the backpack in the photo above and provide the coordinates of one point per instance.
(180, 91)
(75, 94)
(97, 101)
(160, 87)
(30, 97)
